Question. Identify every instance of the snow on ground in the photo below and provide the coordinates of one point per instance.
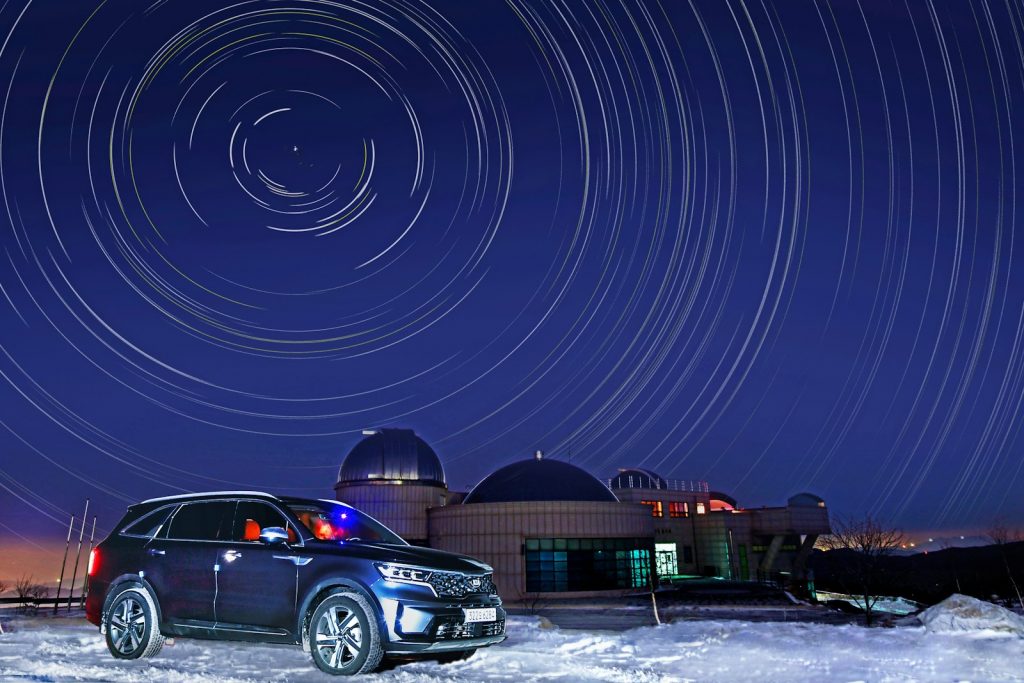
(64, 650)
(887, 604)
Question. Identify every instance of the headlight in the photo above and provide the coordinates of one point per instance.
(404, 574)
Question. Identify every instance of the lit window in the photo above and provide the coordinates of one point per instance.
(655, 505)
(586, 564)
(678, 509)
(701, 509)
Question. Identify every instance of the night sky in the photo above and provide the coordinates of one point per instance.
(775, 246)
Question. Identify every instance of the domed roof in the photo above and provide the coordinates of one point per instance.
(722, 501)
(806, 500)
(636, 478)
(392, 455)
(539, 479)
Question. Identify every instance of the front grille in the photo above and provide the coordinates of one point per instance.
(457, 585)
(453, 628)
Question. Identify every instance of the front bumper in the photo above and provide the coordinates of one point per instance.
(435, 626)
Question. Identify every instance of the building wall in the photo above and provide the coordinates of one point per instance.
(729, 543)
(496, 532)
(400, 507)
(680, 531)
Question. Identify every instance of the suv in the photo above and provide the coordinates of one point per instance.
(317, 573)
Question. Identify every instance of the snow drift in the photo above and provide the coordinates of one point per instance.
(963, 614)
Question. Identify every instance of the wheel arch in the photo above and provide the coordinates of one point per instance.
(324, 588)
(122, 581)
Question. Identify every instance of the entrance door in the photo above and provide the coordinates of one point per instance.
(256, 582)
(666, 559)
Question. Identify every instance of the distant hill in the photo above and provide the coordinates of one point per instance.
(929, 577)
(937, 543)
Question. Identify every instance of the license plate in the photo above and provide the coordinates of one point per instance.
(478, 614)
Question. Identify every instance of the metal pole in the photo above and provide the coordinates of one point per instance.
(78, 554)
(85, 581)
(67, 546)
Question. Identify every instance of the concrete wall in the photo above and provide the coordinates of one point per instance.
(495, 532)
(400, 507)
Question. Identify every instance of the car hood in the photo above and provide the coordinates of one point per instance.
(408, 554)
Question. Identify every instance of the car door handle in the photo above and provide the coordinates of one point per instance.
(157, 551)
(232, 555)
(295, 559)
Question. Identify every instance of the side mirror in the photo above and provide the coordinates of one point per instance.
(272, 535)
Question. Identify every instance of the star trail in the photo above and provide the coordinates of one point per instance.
(772, 245)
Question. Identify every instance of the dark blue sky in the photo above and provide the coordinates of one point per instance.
(773, 246)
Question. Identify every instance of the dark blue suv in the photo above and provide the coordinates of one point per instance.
(317, 573)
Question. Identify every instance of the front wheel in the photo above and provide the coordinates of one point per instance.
(131, 626)
(344, 636)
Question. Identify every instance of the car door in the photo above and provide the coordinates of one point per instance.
(179, 562)
(256, 582)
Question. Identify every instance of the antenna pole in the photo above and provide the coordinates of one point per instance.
(78, 555)
(85, 581)
(67, 546)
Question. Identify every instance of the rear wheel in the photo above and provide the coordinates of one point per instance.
(344, 636)
(131, 626)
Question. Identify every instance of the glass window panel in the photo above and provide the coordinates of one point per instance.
(202, 521)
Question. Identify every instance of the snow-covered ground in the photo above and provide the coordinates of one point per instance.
(64, 650)
(889, 605)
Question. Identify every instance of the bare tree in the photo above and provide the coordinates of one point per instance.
(23, 589)
(29, 592)
(869, 543)
(1000, 534)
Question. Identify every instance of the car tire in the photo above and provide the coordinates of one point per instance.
(344, 636)
(130, 623)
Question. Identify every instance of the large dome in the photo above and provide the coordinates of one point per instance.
(539, 479)
(636, 478)
(390, 455)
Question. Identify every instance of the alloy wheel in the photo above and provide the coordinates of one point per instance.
(339, 637)
(127, 625)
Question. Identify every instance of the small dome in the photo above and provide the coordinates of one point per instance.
(392, 455)
(539, 479)
(722, 501)
(636, 478)
(806, 500)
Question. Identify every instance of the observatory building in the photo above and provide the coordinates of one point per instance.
(551, 528)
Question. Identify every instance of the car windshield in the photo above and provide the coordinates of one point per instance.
(335, 522)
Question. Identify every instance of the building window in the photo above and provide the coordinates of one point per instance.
(677, 509)
(688, 554)
(701, 509)
(655, 505)
(587, 564)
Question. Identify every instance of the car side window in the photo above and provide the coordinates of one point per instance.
(149, 523)
(208, 521)
(252, 517)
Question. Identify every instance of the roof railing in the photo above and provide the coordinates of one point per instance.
(637, 481)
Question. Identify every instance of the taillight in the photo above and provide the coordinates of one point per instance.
(94, 561)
